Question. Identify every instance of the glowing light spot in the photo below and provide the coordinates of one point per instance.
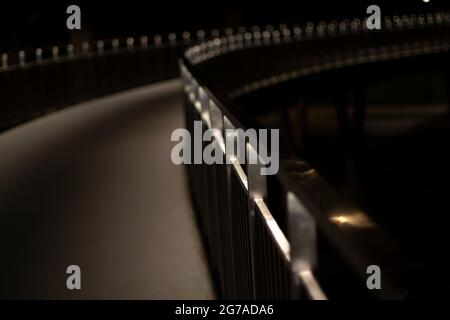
(354, 219)
(340, 219)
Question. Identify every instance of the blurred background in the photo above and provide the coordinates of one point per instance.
(36, 24)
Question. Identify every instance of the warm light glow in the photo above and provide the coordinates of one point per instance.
(354, 219)
(426, 1)
(340, 219)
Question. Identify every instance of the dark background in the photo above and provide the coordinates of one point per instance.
(38, 24)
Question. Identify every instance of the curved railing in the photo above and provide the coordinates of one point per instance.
(38, 81)
(262, 230)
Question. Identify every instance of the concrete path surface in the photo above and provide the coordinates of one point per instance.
(93, 185)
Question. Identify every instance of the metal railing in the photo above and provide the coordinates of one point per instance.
(254, 257)
(38, 81)
(254, 254)
(248, 249)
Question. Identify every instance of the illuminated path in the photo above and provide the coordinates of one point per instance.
(93, 185)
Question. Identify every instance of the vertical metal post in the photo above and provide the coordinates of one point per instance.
(257, 189)
(228, 125)
(302, 238)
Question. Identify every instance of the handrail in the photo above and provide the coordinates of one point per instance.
(362, 243)
(38, 81)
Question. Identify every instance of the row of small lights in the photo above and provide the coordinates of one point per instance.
(211, 48)
(369, 55)
(257, 37)
(172, 39)
(231, 40)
